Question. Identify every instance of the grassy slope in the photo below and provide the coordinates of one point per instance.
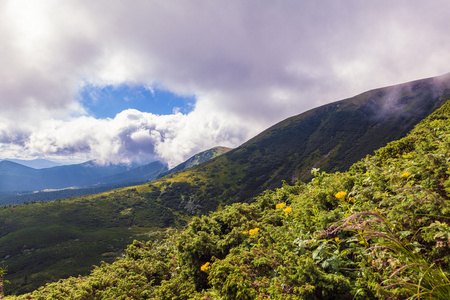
(323, 137)
(341, 236)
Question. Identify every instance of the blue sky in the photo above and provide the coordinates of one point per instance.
(108, 101)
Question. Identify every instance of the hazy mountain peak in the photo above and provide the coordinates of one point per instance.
(37, 163)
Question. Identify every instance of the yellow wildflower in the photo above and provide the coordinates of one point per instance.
(287, 210)
(205, 267)
(351, 199)
(405, 175)
(341, 195)
(280, 205)
(253, 231)
(336, 239)
(245, 232)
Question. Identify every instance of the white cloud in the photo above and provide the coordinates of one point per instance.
(132, 135)
(249, 63)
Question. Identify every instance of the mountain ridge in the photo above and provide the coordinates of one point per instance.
(134, 175)
(15, 177)
(37, 163)
(331, 137)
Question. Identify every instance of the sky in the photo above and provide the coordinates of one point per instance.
(123, 81)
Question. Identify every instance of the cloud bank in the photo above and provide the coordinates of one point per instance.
(250, 64)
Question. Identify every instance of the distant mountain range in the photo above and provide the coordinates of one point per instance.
(18, 179)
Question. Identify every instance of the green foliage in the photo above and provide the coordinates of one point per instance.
(2, 281)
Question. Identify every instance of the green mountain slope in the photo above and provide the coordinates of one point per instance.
(378, 231)
(331, 137)
(34, 246)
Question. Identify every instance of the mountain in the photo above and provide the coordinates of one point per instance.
(197, 159)
(36, 163)
(15, 177)
(19, 178)
(377, 231)
(133, 176)
(11, 175)
(331, 137)
(74, 233)
(11, 168)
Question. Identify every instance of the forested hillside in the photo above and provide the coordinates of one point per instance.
(378, 231)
